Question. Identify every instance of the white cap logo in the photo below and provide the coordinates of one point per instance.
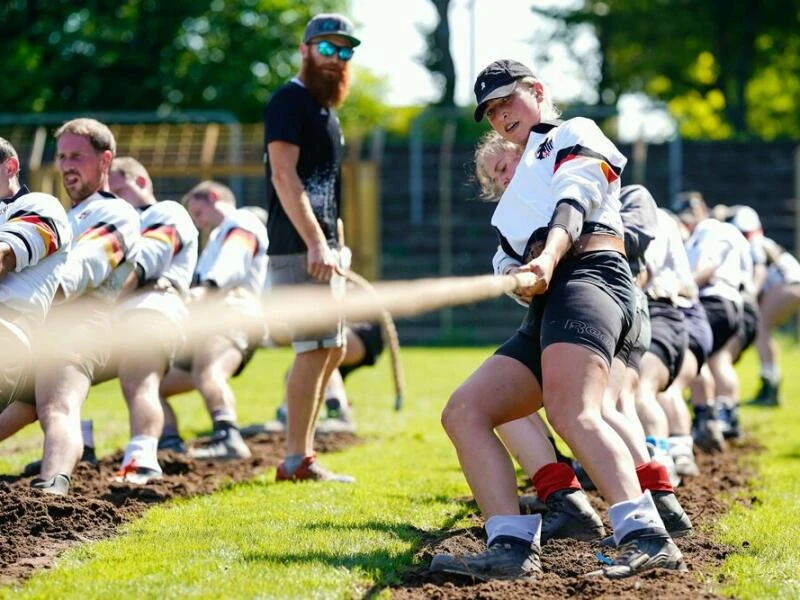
(483, 85)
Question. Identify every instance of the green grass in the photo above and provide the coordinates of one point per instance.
(767, 533)
(258, 539)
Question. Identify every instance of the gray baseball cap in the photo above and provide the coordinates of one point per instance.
(330, 24)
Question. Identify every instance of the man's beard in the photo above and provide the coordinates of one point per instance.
(329, 88)
(83, 191)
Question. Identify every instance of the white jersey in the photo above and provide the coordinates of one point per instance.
(167, 250)
(668, 265)
(35, 225)
(105, 236)
(235, 255)
(721, 245)
(782, 267)
(572, 160)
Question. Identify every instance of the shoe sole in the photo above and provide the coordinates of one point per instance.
(482, 577)
(137, 479)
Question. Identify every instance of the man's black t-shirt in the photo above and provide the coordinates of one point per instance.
(295, 117)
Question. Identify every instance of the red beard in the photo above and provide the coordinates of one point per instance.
(329, 86)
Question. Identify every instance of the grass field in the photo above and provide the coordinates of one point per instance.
(259, 539)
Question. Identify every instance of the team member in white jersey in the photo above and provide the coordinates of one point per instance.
(560, 218)
(34, 238)
(154, 311)
(105, 231)
(721, 263)
(231, 270)
(569, 513)
(779, 296)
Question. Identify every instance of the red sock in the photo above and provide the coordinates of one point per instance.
(653, 476)
(553, 477)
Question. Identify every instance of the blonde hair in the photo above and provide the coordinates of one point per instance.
(100, 136)
(211, 190)
(547, 110)
(130, 169)
(491, 144)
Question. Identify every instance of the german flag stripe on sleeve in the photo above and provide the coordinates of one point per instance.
(611, 172)
(165, 233)
(242, 236)
(111, 238)
(45, 227)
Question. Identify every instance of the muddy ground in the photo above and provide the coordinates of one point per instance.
(705, 498)
(35, 528)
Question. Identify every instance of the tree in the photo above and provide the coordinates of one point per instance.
(437, 58)
(711, 61)
(155, 55)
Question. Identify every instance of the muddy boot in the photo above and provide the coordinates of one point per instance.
(570, 515)
(641, 552)
(676, 521)
(507, 558)
(706, 431)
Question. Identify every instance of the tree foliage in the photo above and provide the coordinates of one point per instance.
(437, 58)
(155, 55)
(725, 68)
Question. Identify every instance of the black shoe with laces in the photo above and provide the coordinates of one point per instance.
(226, 444)
(767, 395)
(507, 558)
(676, 521)
(570, 515)
(640, 552)
(88, 457)
(729, 422)
(706, 431)
(173, 442)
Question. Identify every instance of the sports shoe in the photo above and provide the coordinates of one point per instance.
(767, 395)
(685, 464)
(335, 410)
(226, 444)
(570, 515)
(507, 558)
(310, 470)
(530, 504)
(133, 473)
(707, 433)
(58, 485)
(641, 553)
(172, 442)
(729, 422)
(676, 521)
(88, 457)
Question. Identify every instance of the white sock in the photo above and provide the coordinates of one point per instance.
(87, 433)
(771, 372)
(335, 389)
(524, 527)
(681, 445)
(727, 401)
(142, 449)
(633, 515)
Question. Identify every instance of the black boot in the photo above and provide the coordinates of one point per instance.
(570, 515)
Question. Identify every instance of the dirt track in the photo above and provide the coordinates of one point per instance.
(34, 529)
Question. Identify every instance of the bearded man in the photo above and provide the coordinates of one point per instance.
(304, 147)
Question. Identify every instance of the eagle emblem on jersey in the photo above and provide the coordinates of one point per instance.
(544, 149)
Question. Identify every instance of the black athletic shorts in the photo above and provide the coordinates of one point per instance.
(748, 327)
(723, 317)
(701, 339)
(670, 338)
(591, 303)
(371, 336)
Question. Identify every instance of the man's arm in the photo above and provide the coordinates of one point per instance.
(283, 159)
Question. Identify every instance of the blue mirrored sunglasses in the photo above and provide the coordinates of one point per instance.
(328, 49)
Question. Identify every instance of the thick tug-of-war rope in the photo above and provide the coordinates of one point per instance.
(306, 309)
(390, 338)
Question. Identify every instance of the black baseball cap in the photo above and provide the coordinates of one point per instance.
(330, 24)
(496, 81)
